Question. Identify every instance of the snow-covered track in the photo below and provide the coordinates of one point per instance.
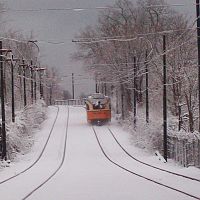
(59, 166)
(40, 155)
(133, 172)
(147, 164)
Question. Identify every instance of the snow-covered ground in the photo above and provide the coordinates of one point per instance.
(86, 174)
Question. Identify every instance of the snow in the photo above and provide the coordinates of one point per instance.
(20, 135)
(86, 174)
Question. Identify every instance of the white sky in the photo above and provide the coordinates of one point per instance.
(61, 27)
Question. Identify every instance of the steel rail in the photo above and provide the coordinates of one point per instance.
(28, 168)
(139, 175)
(60, 165)
(147, 164)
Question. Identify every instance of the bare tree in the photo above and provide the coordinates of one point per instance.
(121, 34)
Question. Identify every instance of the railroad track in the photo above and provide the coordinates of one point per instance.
(58, 167)
(147, 164)
(139, 174)
(40, 155)
(32, 188)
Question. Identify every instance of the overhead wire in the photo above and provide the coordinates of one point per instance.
(80, 9)
(119, 38)
(121, 81)
(122, 37)
(174, 42)
(170, 45)
(147, 62)
(125, 38)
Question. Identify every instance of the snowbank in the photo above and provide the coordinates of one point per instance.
(183, 147)
(145, 136)
(20, 135)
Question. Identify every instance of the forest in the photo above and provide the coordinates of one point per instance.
(27, 87)
(145, 56)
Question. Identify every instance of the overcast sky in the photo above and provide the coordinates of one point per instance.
(61, 26)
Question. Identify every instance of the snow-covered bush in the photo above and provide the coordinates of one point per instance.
(146, 136)
(20, 134)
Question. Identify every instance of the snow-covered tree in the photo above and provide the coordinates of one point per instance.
(115, 51)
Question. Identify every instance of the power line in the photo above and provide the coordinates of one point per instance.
(81, 9)
(76, 9)
(131, 63)
(126, 38)
(120, 38)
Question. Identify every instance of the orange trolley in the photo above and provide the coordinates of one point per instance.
(98, 109)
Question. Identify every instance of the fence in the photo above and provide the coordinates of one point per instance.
(185, 151)
(70, 102)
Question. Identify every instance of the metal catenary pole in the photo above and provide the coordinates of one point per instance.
(179, 118)
(135, 93)
(96, 86)
(42, 83)
(24, 81)
(35, 83)
(3, 156)
(20, 83)
(50, 93)
(122, 104)
(40, 75)
(32, 82)
(147, 89)
(41, 70)
(198, 46)
(105, 88)
(13, 92)
(13, 88)
(72, 85)
(11, 60)
(164, 99)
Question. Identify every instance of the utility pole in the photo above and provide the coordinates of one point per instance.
(23, 65)
(122, 104)
(35, 83)
(96, 85)
(72, 85)
(50, 93)
(20, 82)
(35, 71)
(24, 78)
(12, 86)
(41, 91)
(198, 46)
(164, 100)
(134, 93)
(117, 102)
(41, 70)
(105, 88)
(31, 81)
(13, 92)
(147, 89)
(179, 117)
(3, 128)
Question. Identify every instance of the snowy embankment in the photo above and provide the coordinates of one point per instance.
(145, 136)
(150, 136)
(183, 146)
(20, 135)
